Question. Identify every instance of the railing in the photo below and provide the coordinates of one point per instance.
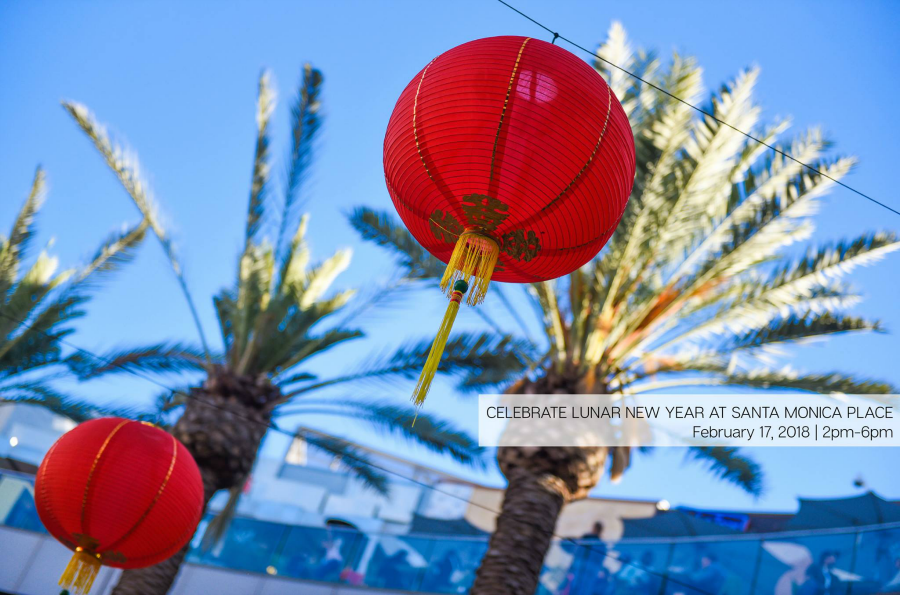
(848, 561)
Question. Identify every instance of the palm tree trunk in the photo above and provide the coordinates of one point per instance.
(541, 481)
(512, 564)
(222, 426)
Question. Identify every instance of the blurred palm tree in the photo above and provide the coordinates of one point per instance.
(694, 289)
(38, 305)
(273, 320)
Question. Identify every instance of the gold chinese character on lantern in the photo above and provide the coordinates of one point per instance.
(521, 245)
(484, 212)
(445, 227)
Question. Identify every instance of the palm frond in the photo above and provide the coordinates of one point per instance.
(428, 430)
(617, 50)
(710, 368)
(480, 360)
(475, 359)
(127, 170)
(37, 342)
(766, 190)
(382, 228)
(834, 382)
(730, 465)
(282, 331)
(319, 280)
(350, 456)
(295, 378)
(40, 394)
(30, 350)
(42, 301)
(312, 345)
(256, 271)
(799, 327)
(161, 358)
(14, 248)
(701, 187)
(295, 261)
(117, 250)
(283, 353)
(265, 105)
(808, 284)
(306, 121)
(166, 407)
(28, 294)
(774, 223)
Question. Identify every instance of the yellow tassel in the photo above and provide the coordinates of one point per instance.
(474, 255)
(79, 575)
(437, 348)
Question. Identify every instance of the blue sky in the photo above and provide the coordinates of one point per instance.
(177, 81)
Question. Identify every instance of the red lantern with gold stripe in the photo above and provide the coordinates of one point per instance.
(507, 158)
(117, 492)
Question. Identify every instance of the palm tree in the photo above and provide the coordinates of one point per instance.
(37, 307)
(270, 322)
(694, 289)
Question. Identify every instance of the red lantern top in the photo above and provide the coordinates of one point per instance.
(518, 140)
(126, 492)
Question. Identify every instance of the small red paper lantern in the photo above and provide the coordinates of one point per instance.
(117, 492)
(507, 158)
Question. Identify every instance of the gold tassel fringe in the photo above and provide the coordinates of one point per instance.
(475, 255)
(440, 341)
(81, 571)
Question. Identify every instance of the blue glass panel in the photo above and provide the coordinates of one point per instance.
(248, 545)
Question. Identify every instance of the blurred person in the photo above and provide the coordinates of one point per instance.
(633, 578)
(822, 579)
(444, 569)
(710, 576)
(596, 554)
(595, 534)
(393, 570)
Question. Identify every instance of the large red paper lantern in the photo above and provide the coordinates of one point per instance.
(117, 492)
(507, 158)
